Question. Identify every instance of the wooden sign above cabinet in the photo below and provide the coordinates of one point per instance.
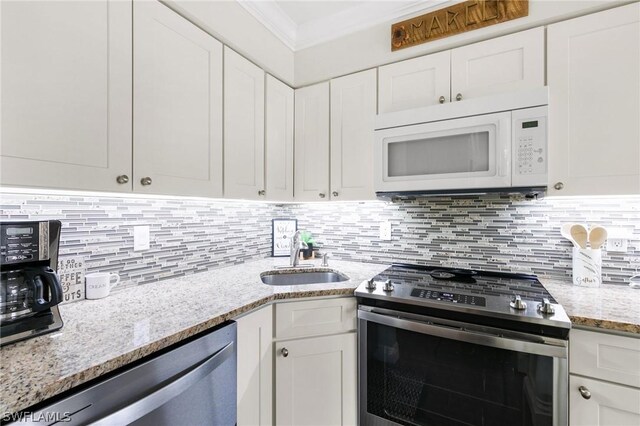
(456, 19)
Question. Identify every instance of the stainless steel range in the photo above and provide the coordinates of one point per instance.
(441, 346)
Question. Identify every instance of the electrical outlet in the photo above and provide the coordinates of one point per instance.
(140, 238)
(617, 244)
(385, 231)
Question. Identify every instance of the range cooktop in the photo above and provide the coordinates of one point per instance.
(511, 296)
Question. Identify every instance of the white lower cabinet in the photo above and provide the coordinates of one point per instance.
(604, 384)
(255, 367)
(300, 359)
(316, 381)
(608, 404)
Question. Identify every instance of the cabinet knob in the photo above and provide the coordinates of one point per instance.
(335, 193)
(558, 186)
(122, 179)
(322, 195)
(261, 192)
(441, 99)
(284, 352)
(584, 392)
(459, 97)
(145, 181)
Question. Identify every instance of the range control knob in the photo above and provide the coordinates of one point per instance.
(546, 307)
(388, 286)
(518, 304)
(371, 284)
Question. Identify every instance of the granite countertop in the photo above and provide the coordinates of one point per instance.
(102, 335)
(611, 307)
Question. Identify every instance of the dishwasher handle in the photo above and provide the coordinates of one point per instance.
(150, 402)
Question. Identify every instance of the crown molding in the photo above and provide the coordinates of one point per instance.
(318, 31)
(269, 14)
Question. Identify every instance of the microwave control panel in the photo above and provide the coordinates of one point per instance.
(530, 146)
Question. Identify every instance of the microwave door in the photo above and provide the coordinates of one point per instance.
(465, 153)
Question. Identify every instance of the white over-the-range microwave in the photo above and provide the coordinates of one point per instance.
(490, 144)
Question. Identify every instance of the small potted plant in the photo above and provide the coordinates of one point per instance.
(307, 238)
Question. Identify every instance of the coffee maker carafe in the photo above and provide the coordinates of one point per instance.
(29, 287)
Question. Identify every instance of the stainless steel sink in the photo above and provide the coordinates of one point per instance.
(301, 277)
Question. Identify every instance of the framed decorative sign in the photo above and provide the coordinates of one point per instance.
(282, 231)
(71, 273)
(455, 19)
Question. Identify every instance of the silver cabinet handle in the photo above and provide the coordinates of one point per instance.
(441, 99)
(261, 192)
(145, 181)
(284, 352)
(322, 195)
(459, 97)
(584, 392)
(150, 402)
(558, 186)
(335, 193)
(122, 179)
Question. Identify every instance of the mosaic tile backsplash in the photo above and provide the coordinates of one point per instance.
(193, 235)
(490, 232)
(186, 235)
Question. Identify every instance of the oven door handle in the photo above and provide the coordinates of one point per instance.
(466, 335)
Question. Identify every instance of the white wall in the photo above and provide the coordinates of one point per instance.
(233, 25)
(372, 47)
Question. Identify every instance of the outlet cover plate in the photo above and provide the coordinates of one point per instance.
(385, 231)
(140, 238)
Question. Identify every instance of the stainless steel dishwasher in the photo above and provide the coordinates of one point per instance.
(193, 383)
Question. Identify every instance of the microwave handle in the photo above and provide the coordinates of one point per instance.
(42, 277)
(503, 163)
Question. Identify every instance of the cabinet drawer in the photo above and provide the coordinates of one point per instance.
(605, 356)
(315, 317)
(608, 404)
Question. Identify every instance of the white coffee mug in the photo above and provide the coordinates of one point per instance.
(99, 284)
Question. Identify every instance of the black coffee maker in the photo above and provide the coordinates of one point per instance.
(30, 290)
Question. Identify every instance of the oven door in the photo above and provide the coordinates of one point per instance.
(464, 153)
(416, 370)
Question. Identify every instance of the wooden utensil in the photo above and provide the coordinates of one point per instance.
(580, 235)
(565, 231)
(597, 237)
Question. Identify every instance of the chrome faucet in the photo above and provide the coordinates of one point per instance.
(296, 245)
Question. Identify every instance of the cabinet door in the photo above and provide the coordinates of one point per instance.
(279, 141)
(414, 83)
(255, 372)
(594, 89)
(353, 111)
(177, 105)
(243, 128)
(502, 64)
(311, 166)
(316, 381)
(66, 94)
(608, 405)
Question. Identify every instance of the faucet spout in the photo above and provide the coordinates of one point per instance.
(296, 245)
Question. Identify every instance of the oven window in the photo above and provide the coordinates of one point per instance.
(417, 379)
(464, 153)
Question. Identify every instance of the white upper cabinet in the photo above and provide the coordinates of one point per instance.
(312, 143)
(177, 105)
(243, 128)
(414, 83)
(353, 111)
(504, 64)
(278, 141)
(66, 94)
(594, 87)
